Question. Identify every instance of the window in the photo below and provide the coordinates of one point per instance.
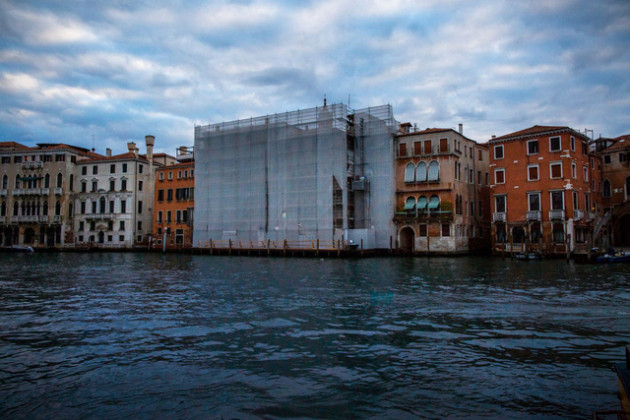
(84, 170)
(179, 174)
(533, 201)
(500, 203)
(532, 173)
(557, 200)
(443, 145)
(427, 147)
(139, 224)
(574, 170)
(584, 148)
(558, 233)
(112, 184)
(587, 202)
(60, 158)
(168, 216)
(169, 193)
(58, 208)
(140, 168)
(555, 170)
(121, 225)
(446, 229)
(555, 144)
(480, 157)
(112, 168)
(94, 186)
(471, 176)
(102, 205)
(479, 177)
(93, 207)
(71, 182)
(123, 206)
(606, 188)
(5, 182)
(417, 148)
(575, 201)
(139, 207)
(110, 238)
(82, 207)
(17, 159)
(498, 152)
(159, 216)
(139, 238)
(6, 159)
(111, 206)
(80, 238)
(139, 185)
(160, 196)
(124, 168)
(572, 144)
(622, 157)
(499, 176)
(59, 180)
(123, 185)
(110, 225)
(532, 147)
(94, 170)
(434, 171)
(585, 171)
(121, 238)
(422, 230)
(170, 175)
(161, 176)
(81, 226)
(410, 170)
(83, 186)
(178, 215)
(606, 159)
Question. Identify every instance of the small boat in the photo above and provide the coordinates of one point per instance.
(526, 256)
(613, 256)
(623, 378)
(20, 248)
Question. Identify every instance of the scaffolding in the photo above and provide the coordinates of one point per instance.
(277, 177)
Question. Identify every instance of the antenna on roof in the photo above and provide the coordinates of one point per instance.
(92, 142)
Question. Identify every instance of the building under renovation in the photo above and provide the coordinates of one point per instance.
(323, 173)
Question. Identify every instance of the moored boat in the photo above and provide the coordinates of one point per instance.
(20, 248)
(527, 256)
(623, 378)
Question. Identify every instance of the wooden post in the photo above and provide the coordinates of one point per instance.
(338, 247)
(268, 246)
(390, 244)
(317, 250)
(211, 246)
(511, 246)
(284, 247)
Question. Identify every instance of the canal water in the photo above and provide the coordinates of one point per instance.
(122, 335)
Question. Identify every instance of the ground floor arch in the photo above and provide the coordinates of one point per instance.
(407, 239)
(622, 231)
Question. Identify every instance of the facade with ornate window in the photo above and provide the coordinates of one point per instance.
(174, 202)
(544, 190)
(442, 189)
(615, 191)
(36, 194)
(114, 200)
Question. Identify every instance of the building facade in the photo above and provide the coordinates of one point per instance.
(442, 198)
(324, 173)
(114, 199)
(38, 184)
(543, 190)
(174, 202)
(615, 192)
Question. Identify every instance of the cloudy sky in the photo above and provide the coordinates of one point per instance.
(101, 73)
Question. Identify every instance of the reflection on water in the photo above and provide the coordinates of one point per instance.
(128, 335)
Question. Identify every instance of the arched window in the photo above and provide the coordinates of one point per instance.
(58, 208)
(434, 203)
(410, 204)
(59, 180)
(45, 209)
(3, 209)
(606, 188)
(47, 181)
(434, 171)
(5, 182)
(421, 172)
(18, 181)
(71, 186)
(410, 170)
(102, 204)
(70, 210)
(422, 203)
(16, 207)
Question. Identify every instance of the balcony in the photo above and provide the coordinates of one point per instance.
(498, 217)
(590, 216)
(98, 216)
(56, 219)
(3, 220)
(3, 193)
(32, 165)
(420, 216)
(45, 191)
(578, 215)
(58, 191)
(556, 214)
(533, 215)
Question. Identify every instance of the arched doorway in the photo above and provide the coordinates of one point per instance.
(407, 239)
(518, 234)
(622, 231)
(101, 237)
(29, 236)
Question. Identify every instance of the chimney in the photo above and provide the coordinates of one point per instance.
(461, 129)
(108, 152)
(150, 141)
(131, 146)
(494, 136)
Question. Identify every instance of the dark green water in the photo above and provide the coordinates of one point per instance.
(153, 336)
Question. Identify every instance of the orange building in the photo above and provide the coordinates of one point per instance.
(174, 202)
(442, 192)
(615, 191)
(543, 195)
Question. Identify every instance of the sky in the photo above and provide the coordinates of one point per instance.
(102, 73)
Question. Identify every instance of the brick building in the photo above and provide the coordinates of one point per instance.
(543, 191)
(174, 202)
(442, 192)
